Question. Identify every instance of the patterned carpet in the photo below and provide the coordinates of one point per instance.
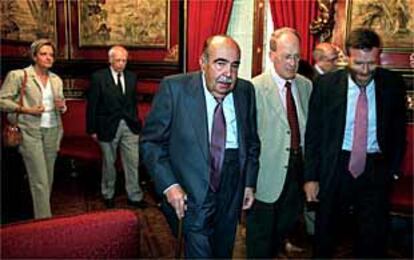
(80, 192)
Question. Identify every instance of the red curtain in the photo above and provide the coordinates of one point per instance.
(205, 18)
(297, 14)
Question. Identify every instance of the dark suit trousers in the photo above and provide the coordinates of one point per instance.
(269, 223)
(209, 230)
(366, 198)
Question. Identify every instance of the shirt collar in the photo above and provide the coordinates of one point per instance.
(280, 82)
(352, 84)
(319, 70)
(115, 73)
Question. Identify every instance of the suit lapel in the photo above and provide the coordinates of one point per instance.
(301, 110)
(238, 105)
(340, 95)
(197, 111)
(54, 85)
(129, 85)
(275, 102)
(378, 103)
(111, 79)
(31, 79)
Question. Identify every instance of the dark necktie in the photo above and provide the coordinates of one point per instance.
(359, 143)
(217, 145)
(292, 117)
(119, 82)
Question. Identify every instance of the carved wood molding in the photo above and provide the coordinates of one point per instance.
(324, 23)
(259, 14)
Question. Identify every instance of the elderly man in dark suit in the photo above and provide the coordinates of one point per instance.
(354, 146)
(112, 121)
(200, 146)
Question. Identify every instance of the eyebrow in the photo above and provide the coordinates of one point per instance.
(227, 61)
(221, 59)
(45, 52)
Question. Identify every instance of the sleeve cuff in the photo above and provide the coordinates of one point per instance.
(170, 187)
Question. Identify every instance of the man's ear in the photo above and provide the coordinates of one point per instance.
(202, 61)
(272, 55)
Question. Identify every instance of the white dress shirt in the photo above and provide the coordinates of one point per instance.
(48, 117)
(229, 115)
(115, 77)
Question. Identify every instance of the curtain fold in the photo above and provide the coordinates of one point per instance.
(297, 14)
(205, 18)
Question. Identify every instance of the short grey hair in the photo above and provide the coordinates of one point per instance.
(278, 33)
(36, 45)
(113, 48)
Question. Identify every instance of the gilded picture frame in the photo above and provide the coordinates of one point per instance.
(393, 20)
(26, 21)
(137, 23)
(409, 82)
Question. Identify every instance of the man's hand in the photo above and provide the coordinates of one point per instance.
(177, 199)
(248, 198)
(311, 190)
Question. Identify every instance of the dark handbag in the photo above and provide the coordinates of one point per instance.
(12, 136)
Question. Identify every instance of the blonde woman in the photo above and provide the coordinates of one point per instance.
(39, 120)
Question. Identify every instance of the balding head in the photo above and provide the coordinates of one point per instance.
(118, 57)
(285, 52)
(218, 41)
(220, 62)
(326, 56)
(281, 32)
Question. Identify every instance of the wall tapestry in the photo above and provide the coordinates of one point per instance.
(135, 23)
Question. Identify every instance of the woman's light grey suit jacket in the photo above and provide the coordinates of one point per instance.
(10, 94)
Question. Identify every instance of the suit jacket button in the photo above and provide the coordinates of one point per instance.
(288, 149)
(288, 132)
(286, 167)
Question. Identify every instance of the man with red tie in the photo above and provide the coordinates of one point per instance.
(282, 104)
(354, 146)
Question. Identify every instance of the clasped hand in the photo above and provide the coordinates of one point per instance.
(60, 104)
(34, 110)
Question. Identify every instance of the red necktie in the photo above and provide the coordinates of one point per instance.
(359, 143)
(292, 117)
(217, 145)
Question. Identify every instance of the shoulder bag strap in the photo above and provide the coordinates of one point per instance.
(22, 93)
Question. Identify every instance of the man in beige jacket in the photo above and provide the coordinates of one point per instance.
(282, 104)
